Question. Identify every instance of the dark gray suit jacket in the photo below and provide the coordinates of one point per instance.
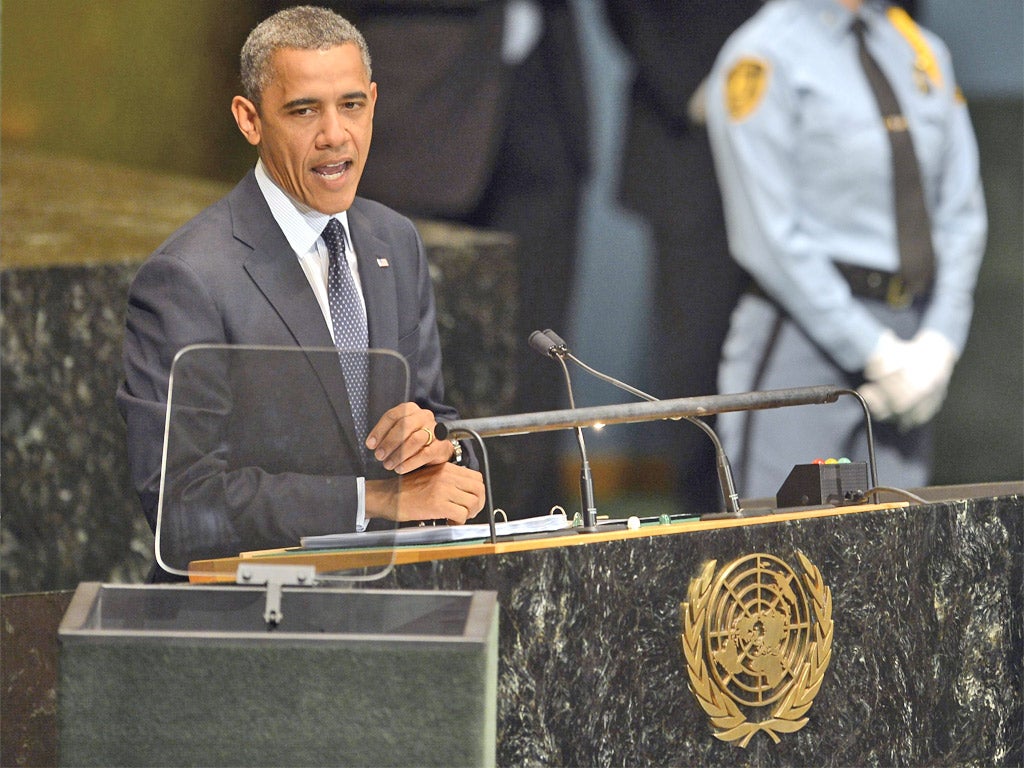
(259, 471)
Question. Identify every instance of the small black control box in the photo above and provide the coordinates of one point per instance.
(816, 484)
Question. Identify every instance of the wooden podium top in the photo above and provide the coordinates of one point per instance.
(330, 561)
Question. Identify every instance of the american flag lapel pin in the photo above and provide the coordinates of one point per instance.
(383, 263)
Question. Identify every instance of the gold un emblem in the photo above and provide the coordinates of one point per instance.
(757, 635)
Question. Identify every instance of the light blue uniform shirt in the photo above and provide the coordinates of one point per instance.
(806, 175)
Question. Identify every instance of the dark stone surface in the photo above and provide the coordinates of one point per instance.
(925, 669)
(926, 658)
(28, 695)
(69, 512)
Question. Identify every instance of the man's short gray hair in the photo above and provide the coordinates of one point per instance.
(304, 27)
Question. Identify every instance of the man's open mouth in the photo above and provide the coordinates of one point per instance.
(332, 170)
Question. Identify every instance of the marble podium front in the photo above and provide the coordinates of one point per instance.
(926, 662)
(926, 668)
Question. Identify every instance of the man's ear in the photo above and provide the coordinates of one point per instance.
(247, 118)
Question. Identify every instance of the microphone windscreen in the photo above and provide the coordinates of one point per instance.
(558, 340)
(541, 343)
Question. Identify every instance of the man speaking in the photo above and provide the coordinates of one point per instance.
(293, 258)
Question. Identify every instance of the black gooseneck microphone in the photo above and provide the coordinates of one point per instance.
(545, 345)
(550, 343)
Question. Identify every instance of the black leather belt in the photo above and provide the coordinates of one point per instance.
(876, 284)
(866, 283)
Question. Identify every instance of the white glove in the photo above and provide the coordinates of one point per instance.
(887, 357)
(885, 360)
(907, 380)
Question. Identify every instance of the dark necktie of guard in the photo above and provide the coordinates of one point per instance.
(913, 225)
(349, 321)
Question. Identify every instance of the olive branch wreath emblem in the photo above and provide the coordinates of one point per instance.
(788, 715)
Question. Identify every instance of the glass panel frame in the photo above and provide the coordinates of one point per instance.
(260, 450)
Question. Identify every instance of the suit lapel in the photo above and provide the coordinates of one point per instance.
(272, 265)
(377, 276)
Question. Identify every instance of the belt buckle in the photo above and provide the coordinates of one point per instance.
(896, 294)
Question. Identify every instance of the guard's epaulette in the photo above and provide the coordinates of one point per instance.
(925, 63)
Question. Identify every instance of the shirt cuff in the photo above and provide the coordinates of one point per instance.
(361, 504)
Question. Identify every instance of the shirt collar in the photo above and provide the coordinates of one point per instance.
(301, 225)
(838, 19)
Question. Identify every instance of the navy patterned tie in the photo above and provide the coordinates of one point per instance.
(349, 321)
(913, 225)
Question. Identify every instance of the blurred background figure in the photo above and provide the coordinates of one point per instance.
(668, 179)
(850, 176)
(485, 123)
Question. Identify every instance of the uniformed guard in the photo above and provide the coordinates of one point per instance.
(849, 172)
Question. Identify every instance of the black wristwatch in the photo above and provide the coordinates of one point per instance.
(456, 452)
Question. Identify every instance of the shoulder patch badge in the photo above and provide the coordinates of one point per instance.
(745, 86)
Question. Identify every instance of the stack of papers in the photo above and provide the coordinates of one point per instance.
(435, 534)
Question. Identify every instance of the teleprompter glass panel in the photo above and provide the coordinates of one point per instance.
(261, 449)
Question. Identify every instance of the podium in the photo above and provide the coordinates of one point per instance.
(926, 660)
(187, 675)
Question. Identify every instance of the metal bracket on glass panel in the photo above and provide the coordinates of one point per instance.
(275, 577)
